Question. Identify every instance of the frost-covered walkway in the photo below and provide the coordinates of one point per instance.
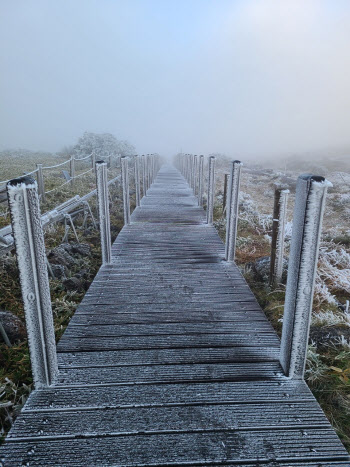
(170, 361)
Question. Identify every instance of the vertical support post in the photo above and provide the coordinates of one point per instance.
(308, 214)
(195, 174)
(103, 209)
(278, 232)
(200, 180)
(224, 200)
(137, 179)
(232, 210)
(188, 161)
(126, 194)
(72, 170)
(40, 179)
(144, 187)
(31, 256)
(148, 163)
(211, 190)
(93, 161)
(190, 174)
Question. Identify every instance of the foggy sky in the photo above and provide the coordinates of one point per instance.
(239, 76)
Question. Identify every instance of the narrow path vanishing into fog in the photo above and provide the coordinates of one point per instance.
(169, 360)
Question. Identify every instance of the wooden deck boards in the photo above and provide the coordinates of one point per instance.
(170, 361)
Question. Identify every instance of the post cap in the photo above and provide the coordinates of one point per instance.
(26, 180)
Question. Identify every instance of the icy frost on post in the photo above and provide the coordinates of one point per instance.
(278, 234)
(31, 257)
(200, 180)
(232, 209)
(137, 179)
(125, 185)
(41, 185)
(211, 190)
(144, 187)
(308, 214)
(103, 209)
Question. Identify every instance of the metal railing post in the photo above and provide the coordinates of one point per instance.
(191, 171)
(137, 179)
(200, 180)
(40, 179)
(93, 161)
(278, 233)
(103, 209)
(308, 213)
(211, 190)
(148, 163)
(224, 199)
(232, 210)
(125, 185)
(195, 174)
(31, 257)
(72, 170)
(144, 187)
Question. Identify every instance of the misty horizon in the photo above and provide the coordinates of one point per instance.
(237, 77)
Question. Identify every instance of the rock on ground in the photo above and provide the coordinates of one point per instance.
(14, 326)
(59, 255)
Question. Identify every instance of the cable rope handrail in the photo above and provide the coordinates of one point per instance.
(57, 165)
(68, 181)
(25, 175)
(81, 158)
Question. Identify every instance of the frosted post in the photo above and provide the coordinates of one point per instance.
(200, 180)
(144, 189)
(211, 190)
(232, 210)
(137, 179)
(188, 168)
(93, 162)
(278, 233)
(224, 199)
(126, 195)
(103, 209)
(190, 174)
(308, 213)
(31, 257)
(72, 170)
(40, 179)
(148, 171)
(195, 174)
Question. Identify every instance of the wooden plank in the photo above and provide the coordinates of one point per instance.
(170, 373)
(167, 356)
(167, 329)
(220, 417)
(183, 448)
(104, 395)
(167, 342)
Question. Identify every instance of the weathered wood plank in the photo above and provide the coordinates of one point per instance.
(250, 339)
(183, 448)
(170, 373)
(167, 356)
(169, 394)
(221, 417)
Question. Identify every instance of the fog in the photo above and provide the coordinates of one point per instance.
(238, 77)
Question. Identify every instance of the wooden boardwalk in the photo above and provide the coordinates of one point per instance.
(169, 360)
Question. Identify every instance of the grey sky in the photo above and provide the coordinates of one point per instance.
(244, 76)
